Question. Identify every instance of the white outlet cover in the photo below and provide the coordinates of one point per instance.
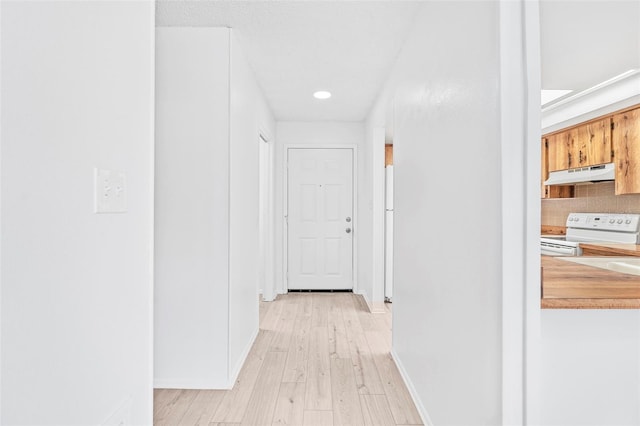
(110, 191)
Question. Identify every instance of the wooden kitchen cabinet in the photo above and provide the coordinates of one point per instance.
(626, 151)
(558, 151)
(585, 145)
(555, 191)
(596, 136)
(615, 137)
(589, 144)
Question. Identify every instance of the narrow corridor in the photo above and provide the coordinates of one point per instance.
(319, 359)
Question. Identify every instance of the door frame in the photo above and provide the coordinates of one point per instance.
(266, 244)
(285, 208)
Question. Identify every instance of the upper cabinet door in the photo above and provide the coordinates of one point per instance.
(577, 147)
(555, 191)
(626, 151)
(589, 144)
(592, 143)
(580, 146)
(558, 151)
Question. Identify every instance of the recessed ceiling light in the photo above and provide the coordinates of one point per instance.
(322, 94)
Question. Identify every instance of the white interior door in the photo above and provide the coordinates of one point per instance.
(320, 219)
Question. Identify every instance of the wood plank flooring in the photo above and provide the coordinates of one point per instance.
(319, 359)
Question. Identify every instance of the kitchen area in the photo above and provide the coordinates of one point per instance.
(590, 266)
(587, 336)
(588, 340)
(590, 213)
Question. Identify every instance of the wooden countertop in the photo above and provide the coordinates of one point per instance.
(567, 285)
(612, 249)
(553, 230)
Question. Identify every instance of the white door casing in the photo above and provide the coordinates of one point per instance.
(320, 218)
(265, 222)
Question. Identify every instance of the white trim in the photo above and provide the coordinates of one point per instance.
(233, 374)
(195, 384)
(285, 212)
(285, 217)
(531, 237)
(611, 92)
(374, 307)
(422, 411)
(229, 138)
(1, 224)
(378, 219)
(152, 233)
(264, 134)
(267, 258)
(513, 96)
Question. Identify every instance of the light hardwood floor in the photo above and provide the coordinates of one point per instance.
(319, 359)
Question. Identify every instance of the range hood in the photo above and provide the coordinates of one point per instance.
(582, 175)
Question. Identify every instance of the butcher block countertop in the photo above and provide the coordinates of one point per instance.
(610, 249)
(553, 230)
(567, 285)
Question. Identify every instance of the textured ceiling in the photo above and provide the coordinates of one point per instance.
(298, 47)
(349, 47)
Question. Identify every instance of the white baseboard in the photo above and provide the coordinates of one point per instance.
(209, 384)
(374, 307)
(189, 384)
(233, 374)
(426, 420)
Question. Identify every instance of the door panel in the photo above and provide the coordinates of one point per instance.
(626, 151)
(320, 199)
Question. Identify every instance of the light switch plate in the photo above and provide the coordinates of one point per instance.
(110, 191)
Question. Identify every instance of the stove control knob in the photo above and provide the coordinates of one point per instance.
(611, 220)
(628, 221)
(619, 220)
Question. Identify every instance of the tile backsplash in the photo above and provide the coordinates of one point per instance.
(591, 198)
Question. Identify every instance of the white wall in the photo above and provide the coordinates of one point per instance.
(1, 137)
(77, 287)
(319, 133)
(447, 295)
(250, 115)
(591, 367)
(210, 113)
(192, 207)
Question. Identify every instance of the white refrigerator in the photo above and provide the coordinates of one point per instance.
(388, 234)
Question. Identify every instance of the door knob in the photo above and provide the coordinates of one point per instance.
(348, 230)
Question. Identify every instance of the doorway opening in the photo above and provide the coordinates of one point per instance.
(388, 223)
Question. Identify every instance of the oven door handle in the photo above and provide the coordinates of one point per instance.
(558, 251)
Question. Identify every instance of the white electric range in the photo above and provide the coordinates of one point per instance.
(592, 228)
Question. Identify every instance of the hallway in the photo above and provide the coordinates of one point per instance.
(319, 359)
